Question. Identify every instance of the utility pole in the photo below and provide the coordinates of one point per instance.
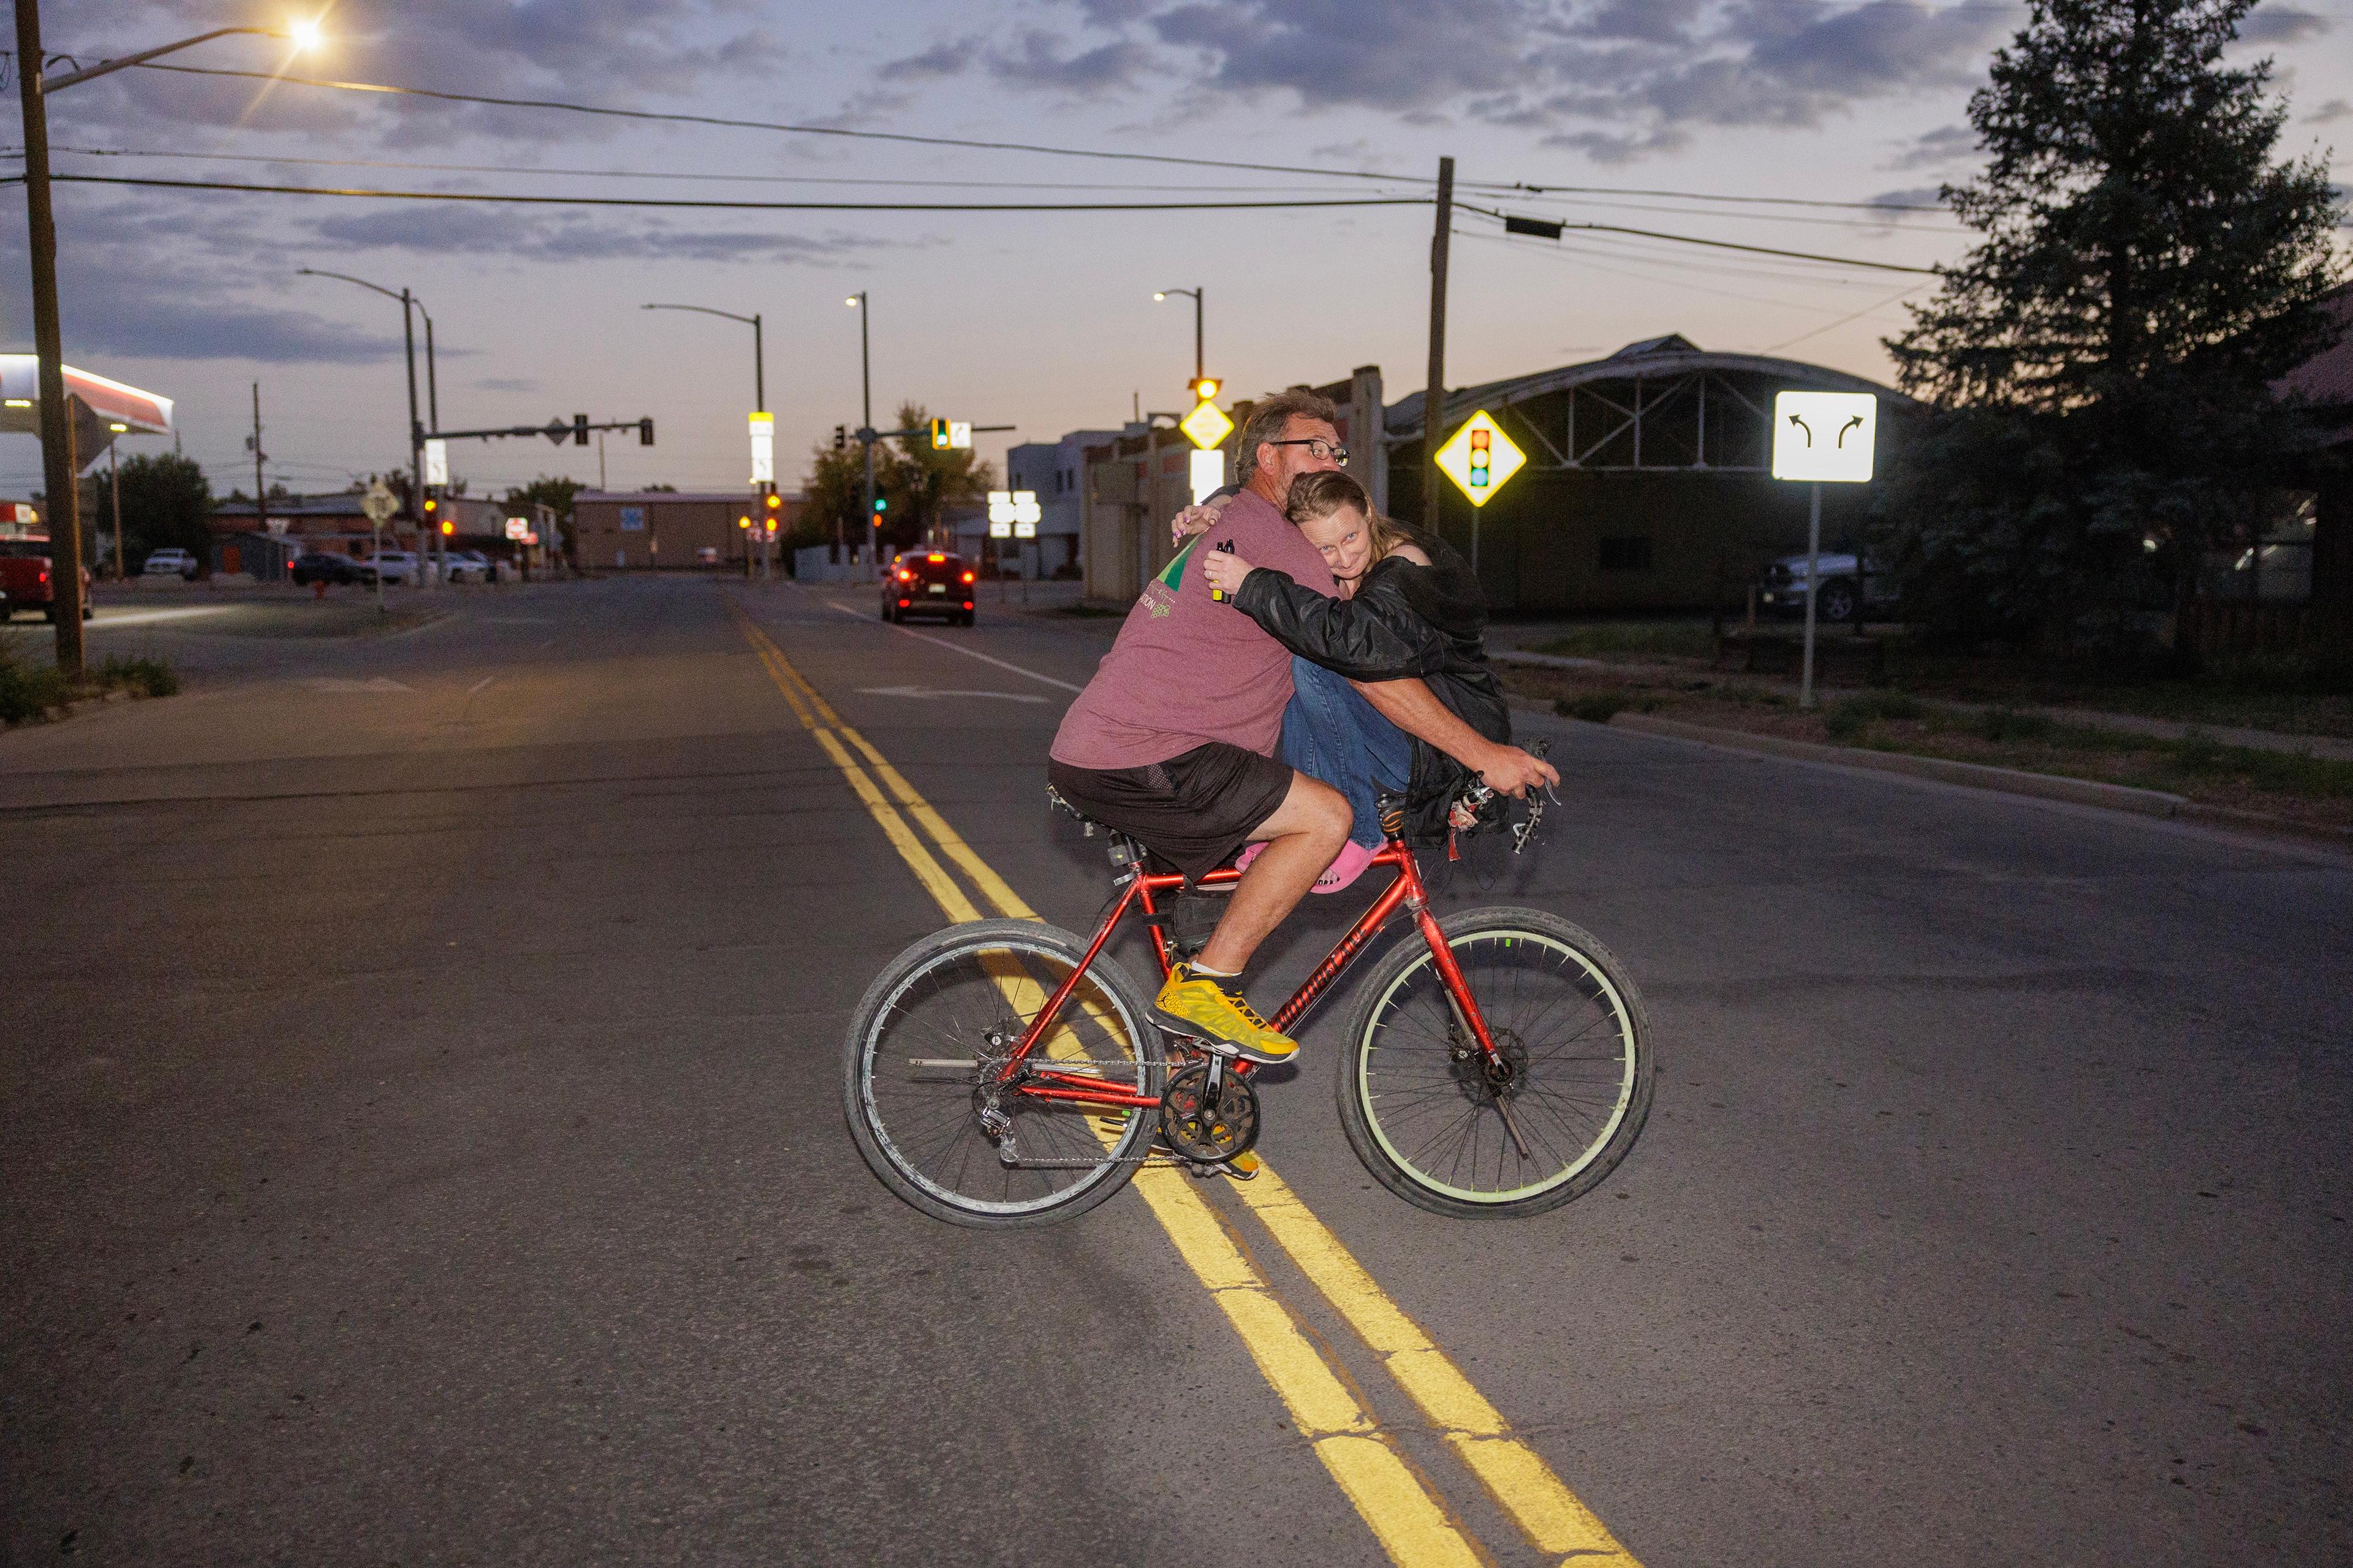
(261, 501)
(866, 417)
(58, 476)
(416, 443)
(1434, 401)
(433, 414)
(114, 464)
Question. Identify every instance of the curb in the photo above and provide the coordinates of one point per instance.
(1980, 775)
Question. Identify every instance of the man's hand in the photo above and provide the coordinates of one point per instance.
(1225, 570)
(1507, 770)
(1195, 520)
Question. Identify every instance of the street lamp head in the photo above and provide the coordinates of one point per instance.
(851, 301)
(304, 34)
(1158, 295)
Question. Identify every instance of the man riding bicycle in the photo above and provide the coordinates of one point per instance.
(1173, 741)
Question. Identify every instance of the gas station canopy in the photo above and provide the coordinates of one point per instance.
(103, 409)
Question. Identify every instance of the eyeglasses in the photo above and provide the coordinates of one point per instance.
(1317, 449)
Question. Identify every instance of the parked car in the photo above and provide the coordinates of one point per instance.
(27, 581)
(1781, 591)
(400, 566)
(928, 583)
(323, 567)
(170, 563)
(471, 566)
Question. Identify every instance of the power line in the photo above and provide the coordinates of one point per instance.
(1726, 245)
(671, 117)
(732, 206)
(654, 173)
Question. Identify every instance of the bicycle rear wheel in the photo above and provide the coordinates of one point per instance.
(1437, 1128)
(917, 1076)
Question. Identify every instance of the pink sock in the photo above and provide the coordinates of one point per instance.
(1249, 854)
(1345, 868)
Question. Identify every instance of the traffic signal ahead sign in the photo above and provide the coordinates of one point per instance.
(1206, 425)
(1480, 459)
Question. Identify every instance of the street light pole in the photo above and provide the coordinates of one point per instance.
(759, 355)
(1200, 365)
(59, 473)
(866, 413)
(409, 302)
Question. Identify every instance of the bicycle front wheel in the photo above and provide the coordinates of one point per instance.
(918, 1079)
(1432, 1122)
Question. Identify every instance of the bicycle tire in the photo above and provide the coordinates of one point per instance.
(997, 968)
(1596, 1099)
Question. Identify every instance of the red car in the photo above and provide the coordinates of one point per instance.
(928, 583)
(26, 582)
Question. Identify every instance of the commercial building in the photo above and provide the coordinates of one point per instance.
(641, 531)
(1053, 471)
(1648, 485)
(1130, 486)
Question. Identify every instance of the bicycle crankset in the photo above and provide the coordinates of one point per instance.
(1208, 1113)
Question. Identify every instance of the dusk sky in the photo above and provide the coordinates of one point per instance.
(1039, 320)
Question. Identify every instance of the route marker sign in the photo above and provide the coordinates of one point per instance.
(1206, 425)
(1480, 459)
(1825, 438)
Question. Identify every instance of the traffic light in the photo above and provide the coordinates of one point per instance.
(939, 434)
(644, 432)
(431, 506)
(448, 527)
(580, 429)
(1205, 388)
(772, 523)
(742, 522)
(773, 501)
(881, 505)
(840, 436)
(1483, 455)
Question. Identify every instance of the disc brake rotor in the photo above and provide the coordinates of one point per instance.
(1205, 1124)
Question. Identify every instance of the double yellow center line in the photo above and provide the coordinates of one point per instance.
(1404, 1508)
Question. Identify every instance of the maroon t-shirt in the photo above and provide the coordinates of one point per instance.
(1187, 669)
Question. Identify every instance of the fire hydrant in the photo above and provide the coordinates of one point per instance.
(318, 587)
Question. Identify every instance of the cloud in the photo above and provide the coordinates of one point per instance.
(2280, 24)
(507, 383)
(2328, 113)
(1615, 79)
(1037, 60)
(1937, 149)
(622, 53)
(460, 228)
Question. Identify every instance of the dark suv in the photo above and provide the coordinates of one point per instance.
(322, 567)
(928, 583)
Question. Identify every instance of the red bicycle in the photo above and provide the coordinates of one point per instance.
(1007, 1072)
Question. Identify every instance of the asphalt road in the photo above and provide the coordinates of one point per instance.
(422, 1143)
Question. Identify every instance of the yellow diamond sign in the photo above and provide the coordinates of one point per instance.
(1480, 459)
(1206, 425)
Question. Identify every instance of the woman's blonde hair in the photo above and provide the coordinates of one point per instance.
(1320, 495)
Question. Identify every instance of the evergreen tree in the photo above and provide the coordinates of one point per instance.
(921, 481)
(2099, 366)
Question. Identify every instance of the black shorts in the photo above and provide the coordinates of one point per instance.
(1193, 810)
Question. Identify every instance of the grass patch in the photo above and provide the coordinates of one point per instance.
(29, 688)
(1851, 718)
(1655, 640)
(1999, 725)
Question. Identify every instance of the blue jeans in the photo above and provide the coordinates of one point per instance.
(1330, 732)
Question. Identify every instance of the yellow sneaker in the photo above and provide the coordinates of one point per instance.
(1198, 1005)
(1243, 1167)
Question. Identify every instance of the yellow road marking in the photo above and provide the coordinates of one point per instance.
(1546, 1511)
(1411, 1524)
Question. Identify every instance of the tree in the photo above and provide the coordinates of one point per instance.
(2099, 366)
(549, 492)
(833, 497)
(166, 501)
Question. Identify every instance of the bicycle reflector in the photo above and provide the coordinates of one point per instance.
(1483, 455)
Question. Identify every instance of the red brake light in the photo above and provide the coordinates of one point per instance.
(967, 576)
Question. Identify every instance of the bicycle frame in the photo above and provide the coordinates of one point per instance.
(1404, 891)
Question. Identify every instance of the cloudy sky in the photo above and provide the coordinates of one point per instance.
(1039, 320)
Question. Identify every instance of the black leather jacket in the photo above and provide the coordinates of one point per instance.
(1406, 619)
